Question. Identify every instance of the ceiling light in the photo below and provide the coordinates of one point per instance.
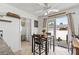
(45, 13)
(53, 10)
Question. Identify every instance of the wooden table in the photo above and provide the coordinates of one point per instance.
(76, 45)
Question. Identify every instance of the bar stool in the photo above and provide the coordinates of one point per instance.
(39, 44)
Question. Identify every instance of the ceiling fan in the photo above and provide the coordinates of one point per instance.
(47, 8)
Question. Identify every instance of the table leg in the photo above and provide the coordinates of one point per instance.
(46, 51)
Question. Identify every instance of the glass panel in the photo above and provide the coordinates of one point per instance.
(61, 31)
(58, 27)
(52, 30)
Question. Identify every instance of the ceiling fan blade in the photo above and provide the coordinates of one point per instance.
(47, 8)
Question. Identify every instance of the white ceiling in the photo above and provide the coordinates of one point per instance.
(33, 8)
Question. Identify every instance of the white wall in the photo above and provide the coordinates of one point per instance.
(9, 8)
(11, 32)
(40, 25)
(33, 29)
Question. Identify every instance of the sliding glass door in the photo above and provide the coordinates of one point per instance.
(59, 42)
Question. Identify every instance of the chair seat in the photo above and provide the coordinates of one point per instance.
(39, 43)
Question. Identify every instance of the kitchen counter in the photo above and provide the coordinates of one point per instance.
(4, 49)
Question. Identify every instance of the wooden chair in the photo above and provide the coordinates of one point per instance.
(39, 44)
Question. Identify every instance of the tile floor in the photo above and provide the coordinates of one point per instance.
(5, 49)
(26, 50)
(58, 51)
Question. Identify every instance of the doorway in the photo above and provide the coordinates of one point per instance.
(25, 26)
(58, 27)
(26, 31)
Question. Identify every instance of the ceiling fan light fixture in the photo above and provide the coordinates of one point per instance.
(53, 10)
(45, 13)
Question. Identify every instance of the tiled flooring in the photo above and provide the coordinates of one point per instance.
(4, 48)
(26, 50)
(58, 51)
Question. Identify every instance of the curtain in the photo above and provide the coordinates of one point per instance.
(70, 22)
(70, 32)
